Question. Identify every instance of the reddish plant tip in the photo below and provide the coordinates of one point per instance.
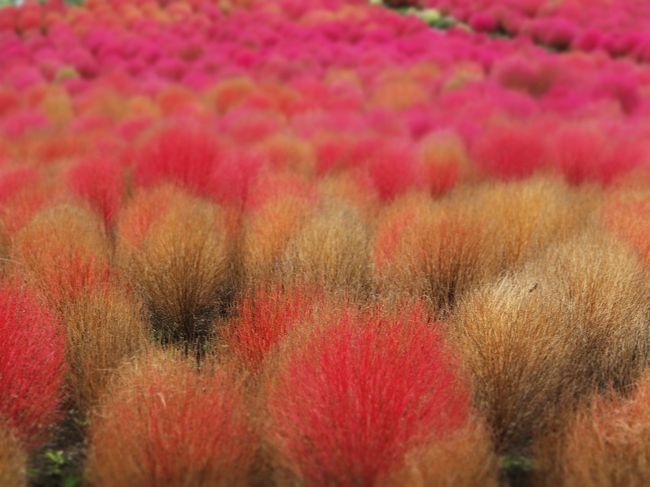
(99, 183)
(32, 367)
(511, 152)
(14, 181)
(265, 317)
(231, 183)
(355, 397)
(394, 170)
(184, 156)
(64, 252)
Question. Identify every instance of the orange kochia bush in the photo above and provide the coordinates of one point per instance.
(166, 423)
(64, 252)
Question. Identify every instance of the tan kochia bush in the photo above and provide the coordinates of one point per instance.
(465, 458)
(350, 188)
(287, 151)
(521, 362)
(570, 322)
(64, 252)
(175, 249)
(330, 251)
(525, 217)
(165, 423)
(103, 328)
(605, 293)
(441, 249)
(429, 249)
(267, 231)
(607, 443)
(13, 460)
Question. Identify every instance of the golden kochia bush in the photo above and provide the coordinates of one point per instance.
(285, 151)
(175, 250)
(441, 249)
(430, 249)
(536, 341)
(13, 460)
(607, 443)
(353, 188)
(525, 217)
(267, 232)
(465, 458)
(165, 423)
(64, 252)
(330, 251)
(103, 328)
(512, 342)
(604, 293)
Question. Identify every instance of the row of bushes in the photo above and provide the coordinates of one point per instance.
(338, 338)
(319, 243)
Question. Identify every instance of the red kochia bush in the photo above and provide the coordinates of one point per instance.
(354, 397)
(511, 151)
(185, 156)
(265, 317)
(99, 183)
(392, 167)
(32, 351)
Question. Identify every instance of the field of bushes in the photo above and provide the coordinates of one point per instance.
(325, 243)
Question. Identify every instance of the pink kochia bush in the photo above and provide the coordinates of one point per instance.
(32, 367)
(352, 398)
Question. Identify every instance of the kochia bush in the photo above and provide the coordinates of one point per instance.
(349, 401)
(32, 364)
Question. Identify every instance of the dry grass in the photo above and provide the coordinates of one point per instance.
(330, 252)
(13, 460)
(165, 423)
(175, 249)
(606, 444)
(570, 322)
(63, 252)
(103, 328)
(465, 458)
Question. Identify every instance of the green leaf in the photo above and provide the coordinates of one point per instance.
(517, 463)
(55, 456)
(71, 481)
